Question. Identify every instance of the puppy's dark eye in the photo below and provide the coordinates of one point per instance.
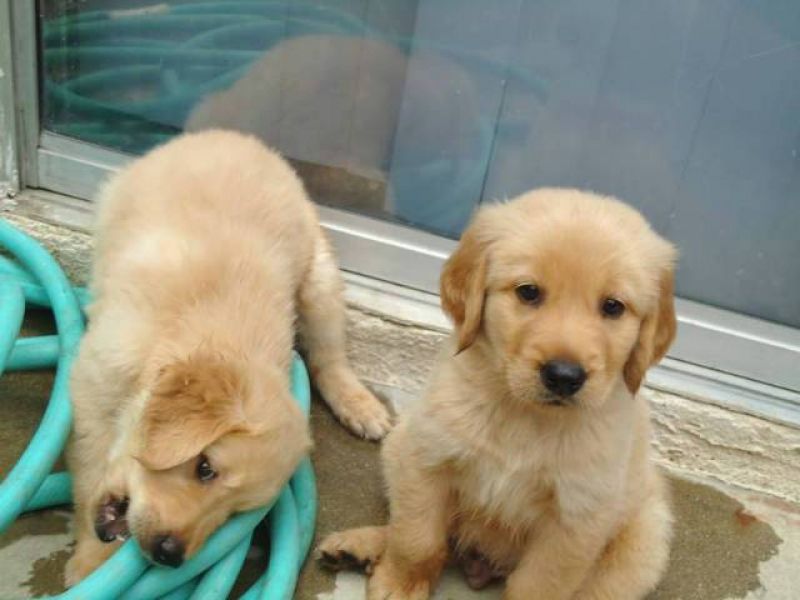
(529, 293)
(612, 308)
(204, 470)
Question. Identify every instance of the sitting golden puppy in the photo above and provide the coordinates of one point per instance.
(207, 252)
(529, 457)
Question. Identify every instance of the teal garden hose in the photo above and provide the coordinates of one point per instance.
(33, 277)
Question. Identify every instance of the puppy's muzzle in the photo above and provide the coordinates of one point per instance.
(167, 550)
(562, 378)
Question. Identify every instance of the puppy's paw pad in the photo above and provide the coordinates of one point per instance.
(110, 523)
(344, 561)
(336, 552)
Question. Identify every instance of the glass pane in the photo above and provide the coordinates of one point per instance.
(383, 105)
(416, 110)
(689, 110)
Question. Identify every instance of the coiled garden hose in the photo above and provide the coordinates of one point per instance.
(33, 277)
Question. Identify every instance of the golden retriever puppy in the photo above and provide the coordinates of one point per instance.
(529, 456)
(207, 252)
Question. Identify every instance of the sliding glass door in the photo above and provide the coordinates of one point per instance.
(403, 116)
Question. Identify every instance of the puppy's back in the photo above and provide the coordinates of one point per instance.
(203, 198)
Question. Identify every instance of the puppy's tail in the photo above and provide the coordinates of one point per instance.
(353, 549)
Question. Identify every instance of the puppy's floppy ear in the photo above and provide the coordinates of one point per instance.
(192, 404)
(463, 285)
(656, 333)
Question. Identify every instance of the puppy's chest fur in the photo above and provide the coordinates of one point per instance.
(505, 487)
(514, 474)
(513, 485)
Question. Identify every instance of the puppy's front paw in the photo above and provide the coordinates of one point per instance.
(343, 560)
(368, 417)
(386, 584)
(355, 549)
(362, 413)
(352, 403)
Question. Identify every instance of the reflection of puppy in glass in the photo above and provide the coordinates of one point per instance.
(336, 101)
(208, 251)
(530, 454)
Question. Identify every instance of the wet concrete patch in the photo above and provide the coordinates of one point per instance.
(718, 547)
(47, 574)
(42, 522)
(23, 399)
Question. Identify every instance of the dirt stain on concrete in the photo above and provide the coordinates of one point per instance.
(47, 574)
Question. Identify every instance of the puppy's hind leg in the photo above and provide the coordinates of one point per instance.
(357, 549)
(637, 557)
(322, 333)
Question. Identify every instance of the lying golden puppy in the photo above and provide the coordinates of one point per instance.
(207, 251)
(529, 456)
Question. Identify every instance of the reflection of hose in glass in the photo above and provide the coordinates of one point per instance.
(36, 278)
(174, 55)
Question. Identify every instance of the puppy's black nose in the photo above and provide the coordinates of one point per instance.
(562, 377)
(167, 550)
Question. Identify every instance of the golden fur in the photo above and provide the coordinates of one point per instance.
(207, 251)
(564, 500)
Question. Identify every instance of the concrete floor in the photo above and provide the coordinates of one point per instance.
(729, 543)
